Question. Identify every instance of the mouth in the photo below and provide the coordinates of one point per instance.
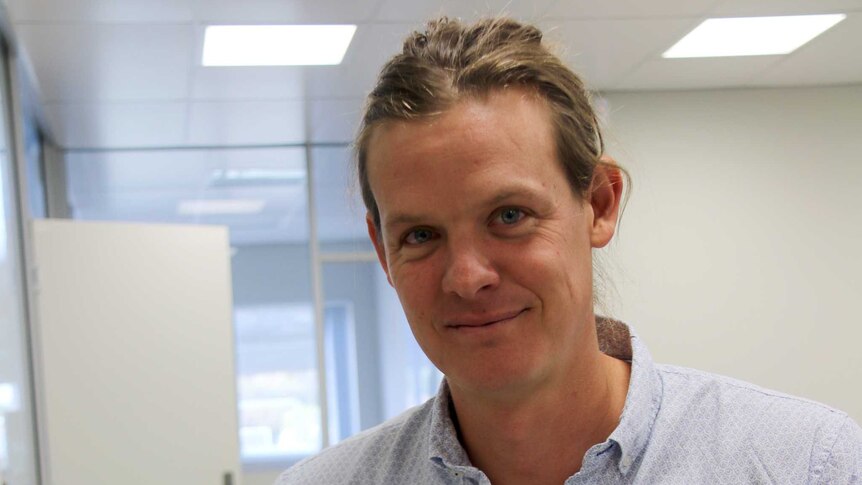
(470, 323)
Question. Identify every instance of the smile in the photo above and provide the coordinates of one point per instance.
(469, 323)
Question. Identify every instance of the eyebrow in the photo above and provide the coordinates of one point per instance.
(506, 193)
(400, 219)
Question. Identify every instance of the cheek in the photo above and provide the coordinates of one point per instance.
(417, 289)
(558, 272)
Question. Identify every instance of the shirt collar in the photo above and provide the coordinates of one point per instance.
(445, 447)
(636, 422)
(644, 395)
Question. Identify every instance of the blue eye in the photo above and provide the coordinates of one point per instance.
(419, 236)
(511, 215)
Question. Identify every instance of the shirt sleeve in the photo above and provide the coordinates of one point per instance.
(844, 464)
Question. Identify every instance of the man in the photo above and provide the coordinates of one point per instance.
(482, 169)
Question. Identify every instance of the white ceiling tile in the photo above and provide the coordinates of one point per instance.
(418, 11)
(756, 8)
(372, 46)
(334, 120)
(603, 51)
(346, 80)
(591, 9)
(168, 11)
(284, 11)
(698, 73)
(831, 58)
(110, 61)
(245, 83)
(246, 122)
(118, 125)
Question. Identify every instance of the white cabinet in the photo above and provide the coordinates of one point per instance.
(134, 354)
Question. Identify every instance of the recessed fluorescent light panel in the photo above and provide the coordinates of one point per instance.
(219, 207)
(276, 45)
(751, 36)
(248, 177)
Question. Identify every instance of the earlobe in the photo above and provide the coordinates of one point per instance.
(376, 240)
(605, 193)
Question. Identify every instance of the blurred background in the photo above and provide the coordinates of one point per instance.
(737, 253)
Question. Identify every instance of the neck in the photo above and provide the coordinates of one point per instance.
(541, 436)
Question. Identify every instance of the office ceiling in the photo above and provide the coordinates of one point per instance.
(127, 73)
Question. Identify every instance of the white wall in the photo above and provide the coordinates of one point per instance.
(739, 251)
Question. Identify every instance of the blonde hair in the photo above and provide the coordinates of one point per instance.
(451, 60)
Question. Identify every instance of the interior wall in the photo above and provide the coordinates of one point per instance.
(738, 252)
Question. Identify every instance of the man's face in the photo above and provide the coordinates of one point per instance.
(485, 242)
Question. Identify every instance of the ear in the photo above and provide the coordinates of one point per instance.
(376, 237)
(605, 193)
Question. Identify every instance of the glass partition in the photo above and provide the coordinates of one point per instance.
(18, 457)
(372, 368)
(259, 193)
(338, 201)
(33, 161)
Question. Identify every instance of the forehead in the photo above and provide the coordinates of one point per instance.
(477, 147)
(508, 129)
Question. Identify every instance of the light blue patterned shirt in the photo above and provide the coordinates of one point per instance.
(678, 426)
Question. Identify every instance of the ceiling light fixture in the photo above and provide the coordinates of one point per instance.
(276, 45)
(255, 176)
(751, 36)
(219, 207)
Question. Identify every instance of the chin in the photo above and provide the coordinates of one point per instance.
(495, 376)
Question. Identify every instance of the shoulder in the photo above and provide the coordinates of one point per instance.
(843, 462)
(741, 422)
(690, 387)
(738, 399)
(370, 456)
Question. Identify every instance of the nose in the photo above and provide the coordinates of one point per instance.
(469, 271)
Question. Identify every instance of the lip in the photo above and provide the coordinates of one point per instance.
(466, 322)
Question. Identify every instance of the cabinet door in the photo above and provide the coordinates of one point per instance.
(135, 357)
